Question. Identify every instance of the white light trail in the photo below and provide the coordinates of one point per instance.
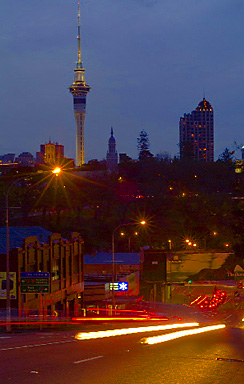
(176, 335)
(128, 331)
(89, 359)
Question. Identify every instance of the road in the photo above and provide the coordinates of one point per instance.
(59, 358)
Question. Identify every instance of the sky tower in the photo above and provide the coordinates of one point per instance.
(79, 90)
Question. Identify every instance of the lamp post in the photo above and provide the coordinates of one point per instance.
(8, 302)
(143, 222)
(129, 239)
(55, 171)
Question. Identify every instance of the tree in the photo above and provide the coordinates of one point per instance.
(164, 157)
(187, 150)
(227, 156)
(143, 145)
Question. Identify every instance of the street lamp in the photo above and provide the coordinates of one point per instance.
(56, 171)
(170, 244)
(143, 222)
(129, 239)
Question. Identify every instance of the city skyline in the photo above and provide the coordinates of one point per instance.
(147, 62)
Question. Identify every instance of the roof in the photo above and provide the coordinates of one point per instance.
(119, 258)
(204, 105)
(18, 234)
(111, 139)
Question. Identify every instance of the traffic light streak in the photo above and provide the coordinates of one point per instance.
(128, 331)
(176, 335)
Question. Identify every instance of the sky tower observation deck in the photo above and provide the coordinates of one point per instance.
(79, 90)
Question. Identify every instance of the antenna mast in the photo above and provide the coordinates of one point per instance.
(79, 62)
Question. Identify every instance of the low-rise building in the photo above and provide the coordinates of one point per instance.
(25, 158)
(34, 249)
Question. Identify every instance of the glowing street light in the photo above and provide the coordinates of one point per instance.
(170, 244)
(56, 171)
(129, 238)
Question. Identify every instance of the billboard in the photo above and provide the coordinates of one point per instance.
(3, 285)
(204, 266)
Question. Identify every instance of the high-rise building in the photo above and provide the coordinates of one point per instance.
(112, 155)
(196, 131)
(79, 90)
(50, 153)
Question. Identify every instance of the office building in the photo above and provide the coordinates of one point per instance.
(52, 155)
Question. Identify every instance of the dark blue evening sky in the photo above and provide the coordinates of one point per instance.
(147, 61)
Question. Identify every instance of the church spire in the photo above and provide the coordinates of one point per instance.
(112, 155)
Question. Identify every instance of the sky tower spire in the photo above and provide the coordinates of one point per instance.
(79, 62)
(79, 90)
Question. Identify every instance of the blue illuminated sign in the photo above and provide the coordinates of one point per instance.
(119, 286)
(35, 274)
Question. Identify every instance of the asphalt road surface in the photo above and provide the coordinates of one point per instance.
(59, 358)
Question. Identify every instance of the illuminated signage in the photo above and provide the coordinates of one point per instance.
(34, 282)
(119, 286)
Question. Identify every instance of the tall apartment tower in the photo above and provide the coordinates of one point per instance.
(196, 131)
(79, 90)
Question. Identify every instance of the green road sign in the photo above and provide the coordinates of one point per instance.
(34, 282)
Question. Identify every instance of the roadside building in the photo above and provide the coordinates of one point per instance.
(34, 249)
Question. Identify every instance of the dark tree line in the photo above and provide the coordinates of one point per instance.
(177, 198)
